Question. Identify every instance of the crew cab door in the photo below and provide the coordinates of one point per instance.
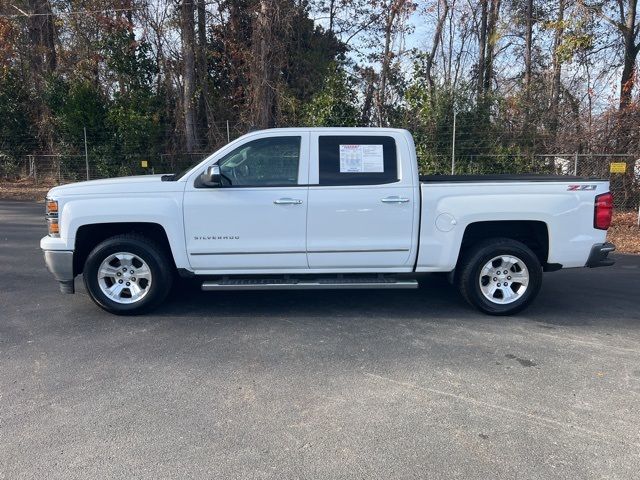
(363, 210)
(256, 220)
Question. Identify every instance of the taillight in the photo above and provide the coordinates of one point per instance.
(603, 211)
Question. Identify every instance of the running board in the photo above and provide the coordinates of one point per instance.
(318, 284)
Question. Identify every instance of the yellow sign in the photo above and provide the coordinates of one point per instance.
(617, 167)
(145, 164)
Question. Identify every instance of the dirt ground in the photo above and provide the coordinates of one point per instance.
(24, 190)
(624, 232)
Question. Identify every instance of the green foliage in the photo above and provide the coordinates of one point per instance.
(334, 105)
(129, 61)
(481, 146)
(578, 37)
(134, 122)
(15, 136)
(129, 95)
(312, 54)
(76, 105)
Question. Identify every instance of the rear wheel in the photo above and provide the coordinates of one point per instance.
(499, 276)
(127, 274)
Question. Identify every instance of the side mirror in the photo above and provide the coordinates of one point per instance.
(212, 177)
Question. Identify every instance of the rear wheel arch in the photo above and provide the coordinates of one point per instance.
(532, 233)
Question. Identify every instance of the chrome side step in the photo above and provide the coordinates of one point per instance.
(315, 284)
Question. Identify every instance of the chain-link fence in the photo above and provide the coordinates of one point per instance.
(60, 169)
(623, 171)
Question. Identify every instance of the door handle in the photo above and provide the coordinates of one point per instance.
(395, 199)
(287, 201)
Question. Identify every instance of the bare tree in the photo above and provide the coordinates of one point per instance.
(189, 74)
(42, 36)
(625, 23)
(482, 48)
(492, 38)
(394, 14)
(556, 68)
(203, 75)
(263, 67)
(528, 47)
(443, 10)
(629, 30)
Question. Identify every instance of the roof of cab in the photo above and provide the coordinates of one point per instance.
(337, 129)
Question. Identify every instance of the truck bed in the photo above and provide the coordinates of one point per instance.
(525, 177)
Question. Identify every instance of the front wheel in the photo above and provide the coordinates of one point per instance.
(499, 276)
(127, 274)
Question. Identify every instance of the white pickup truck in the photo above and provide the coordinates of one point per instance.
(323, 208)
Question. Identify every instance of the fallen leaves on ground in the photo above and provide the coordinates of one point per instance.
(25, 189)
(625, 233)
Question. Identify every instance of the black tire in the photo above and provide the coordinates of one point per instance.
(468, 275)
(145, 249)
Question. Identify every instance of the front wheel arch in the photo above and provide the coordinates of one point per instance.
(88, 236)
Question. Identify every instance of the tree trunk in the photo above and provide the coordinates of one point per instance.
(626, 123)
(629, 35)
(482, 47)
(526, 137)
(557, 70)
(42, 37)
(263, 67)
(369, 78)
(528, 46)
(492, 24)
(189, 74)
(42, 62)
(332, 13)
(395, 12)
(442, 17)
(204, 109)
(386, 63)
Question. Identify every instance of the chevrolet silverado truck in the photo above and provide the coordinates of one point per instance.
(322, 208)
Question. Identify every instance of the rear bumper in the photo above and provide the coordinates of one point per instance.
(599, 255)
(60, 264)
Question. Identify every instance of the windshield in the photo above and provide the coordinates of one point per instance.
(182, 173)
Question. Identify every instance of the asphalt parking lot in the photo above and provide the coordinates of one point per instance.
(353, 384)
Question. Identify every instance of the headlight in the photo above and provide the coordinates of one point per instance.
(51, 210)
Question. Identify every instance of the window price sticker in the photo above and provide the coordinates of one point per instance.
(361, 159)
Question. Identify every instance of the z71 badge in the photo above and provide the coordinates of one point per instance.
(574, 188)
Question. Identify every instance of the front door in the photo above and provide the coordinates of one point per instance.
(256, 221)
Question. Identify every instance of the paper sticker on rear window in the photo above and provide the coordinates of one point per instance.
(361, 159)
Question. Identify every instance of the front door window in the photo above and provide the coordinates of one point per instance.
(272, 161)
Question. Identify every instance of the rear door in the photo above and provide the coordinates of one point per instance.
(362, 205)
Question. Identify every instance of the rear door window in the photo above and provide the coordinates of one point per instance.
(357, 160)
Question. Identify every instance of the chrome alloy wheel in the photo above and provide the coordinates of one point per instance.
(124, 277)
(504, 279)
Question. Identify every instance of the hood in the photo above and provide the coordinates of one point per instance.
(134, 184)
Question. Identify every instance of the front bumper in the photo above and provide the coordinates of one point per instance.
(60, 264)
(599, 255)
